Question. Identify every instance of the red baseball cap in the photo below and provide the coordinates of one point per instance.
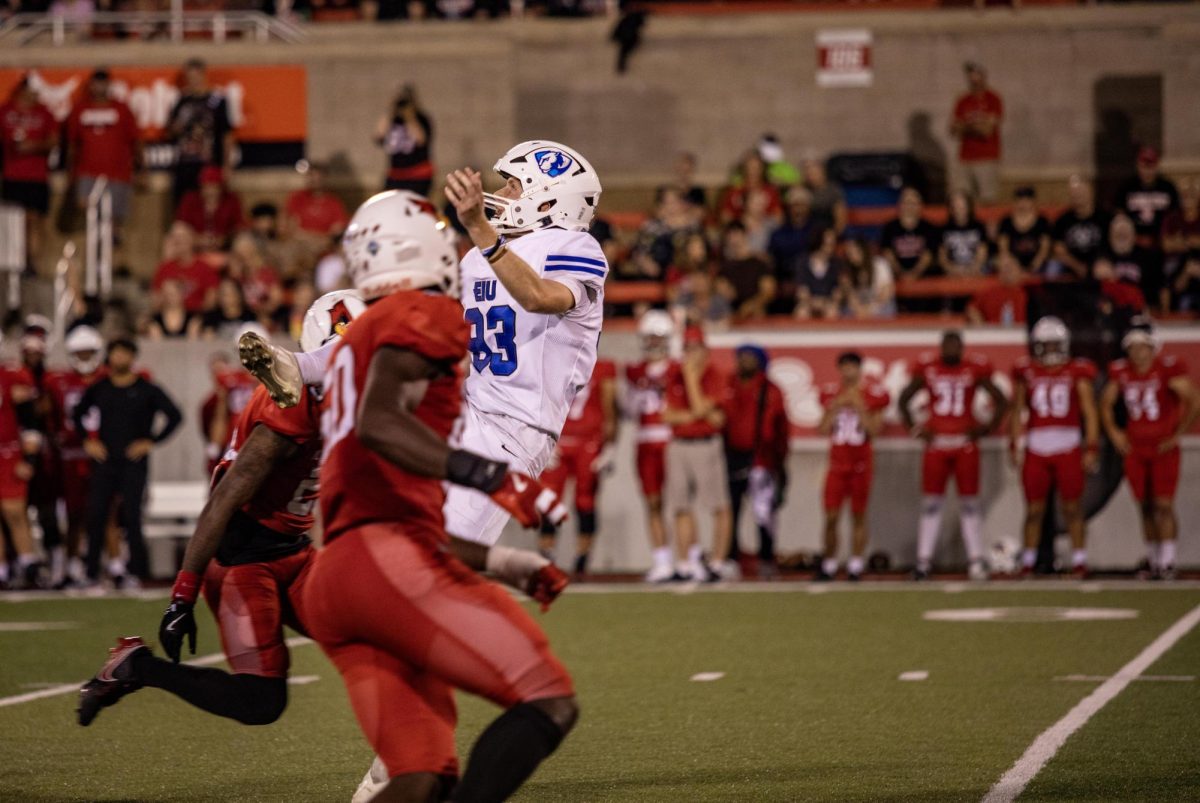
(211, 174)
(1148, 156)
(693, 336)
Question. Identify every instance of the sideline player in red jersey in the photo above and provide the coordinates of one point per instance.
(584, 452)
(394, 390)
(951, 435)
(232, 388)
(853, 415)
(20, 447)
(1161, 404)
(85, 355)
(1057, 392)
(646, 389)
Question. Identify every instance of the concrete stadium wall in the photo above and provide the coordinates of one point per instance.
(713, 84)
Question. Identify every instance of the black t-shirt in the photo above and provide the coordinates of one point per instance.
(1148, 205)
(199, 124)
(908, 245)
(1083, 237)
(127, 413)
(744, 275)
(820, 279)
(1141, 267)
(961, 242)
(402, 150)
(788, 247)
(1024, 245)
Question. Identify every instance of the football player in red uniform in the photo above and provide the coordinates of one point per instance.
(20, 448)
(1056, 391)
(584, 452)
(1161, 404)
(853, 415)
(393, 391)
(951, 433)
(232, 387)
(85, 355)
(646, 388)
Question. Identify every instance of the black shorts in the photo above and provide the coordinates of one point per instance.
(33, 196)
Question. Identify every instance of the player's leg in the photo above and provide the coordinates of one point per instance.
(1035, 480)
(554, 476)
(860, 495)
(75, 484)
(763, 489)
(837, 489)
(587, 483)
(935, 469)
(1163, 484)
(679, 496)
(651, 468)
(966, 480)
(1135, 465)
(101, 491)
(16, 518)
(712, 486)
(1068, 475)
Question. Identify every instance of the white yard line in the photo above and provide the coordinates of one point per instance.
(1044, 747)
(68, 688)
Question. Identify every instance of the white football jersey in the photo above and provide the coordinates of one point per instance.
(525, 365)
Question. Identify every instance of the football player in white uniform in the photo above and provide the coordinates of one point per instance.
(533, 294)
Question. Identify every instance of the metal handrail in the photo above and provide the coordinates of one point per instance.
(64, 296)
(98, 256)
(22, 29)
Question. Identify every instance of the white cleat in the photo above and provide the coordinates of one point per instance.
(371, 783)
(660, 574)
(276, 368)
(977, 571)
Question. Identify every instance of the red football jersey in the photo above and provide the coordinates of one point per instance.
(951, 391)
(1050, 391)
(849, 443)
(647, 398)
(10, 428)
(1151, 405)
(66, 389)
(359, 486)
(585, 418)
(285, 501)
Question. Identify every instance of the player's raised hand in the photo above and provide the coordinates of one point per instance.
(546, 584)
(528, 500)
(464, 188)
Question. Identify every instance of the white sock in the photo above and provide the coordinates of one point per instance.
(75, 568)
(116, 567)
(695, 555)
(971, 521)
(313, 363)
(662, 556)
(1152, 555)
(1028, 558)
(829, 566)
(927, 530)
(1079, 558)
(1166, 554)
(58, 564)
(855, 564)
(25, 561)
(3, 571)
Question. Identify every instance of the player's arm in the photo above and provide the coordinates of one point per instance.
(1108, 401)
(999, 406)
(1091, 423)
(1189, 402)
(872, 420)
(464, 188)
(263, 451)
(608, 404)
(1014, 418)
(825, 425)
(910, 391)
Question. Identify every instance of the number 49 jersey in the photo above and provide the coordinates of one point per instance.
(1054, 415)
(529, 366)
(1152, 407)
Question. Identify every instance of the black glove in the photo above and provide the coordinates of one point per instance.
(177, 622)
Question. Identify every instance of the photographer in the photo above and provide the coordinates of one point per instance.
(405, 135)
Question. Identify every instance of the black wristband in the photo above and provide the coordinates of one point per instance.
(470, 470)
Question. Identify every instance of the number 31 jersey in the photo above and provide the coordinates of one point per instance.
(952, 391)
(529, 366)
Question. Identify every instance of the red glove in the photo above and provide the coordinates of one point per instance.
(528, 500)
(546, 584)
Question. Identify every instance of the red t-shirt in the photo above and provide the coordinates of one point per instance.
(10, 428)
(1152, 406)
(65, 389)
(952, 391)
(769, 439)
(359, 486)
(971, 107)
(735, 201)
(713, 385)
(1050, 391)
(285, 501)
(196, 280)
(647, 398)
(258, 286)
(104, 138)
(995, 303)
(849, 443)
(23, 124)
(319, 214)
(224, 221)
(585, 418)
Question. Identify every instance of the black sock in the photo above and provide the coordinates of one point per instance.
(766, 544)
(581, 561)
(506, 754)
(249, 699)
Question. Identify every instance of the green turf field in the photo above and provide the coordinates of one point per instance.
(810, 706)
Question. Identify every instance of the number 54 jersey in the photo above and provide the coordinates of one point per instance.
(529, 366)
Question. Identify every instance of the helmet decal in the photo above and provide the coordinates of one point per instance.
(553, 163)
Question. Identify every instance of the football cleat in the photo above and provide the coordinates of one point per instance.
(375, 779)
(977, 571)
(920, 575)
(854, 577)
(1080, 572)
(1167, 574)
(660, 574)
(274, 367)
(113, 681)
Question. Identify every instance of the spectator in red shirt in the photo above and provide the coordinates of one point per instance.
(756, 449)
(976, 125)
(214, 211)
(695, 391)
(1005, 302)
(197, 279)
(103, 141)
(751, 181)
(315, 210)
(28, 133)
(259, 279)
